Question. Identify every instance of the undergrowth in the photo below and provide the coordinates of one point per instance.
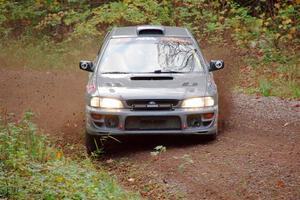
(32, 168)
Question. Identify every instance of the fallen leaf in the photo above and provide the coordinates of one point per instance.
(58, 155)
(131, 179)
(109, 161)
(154, 153)
(60, 179)
(280, 184)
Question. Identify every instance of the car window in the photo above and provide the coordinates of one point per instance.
(149, 54)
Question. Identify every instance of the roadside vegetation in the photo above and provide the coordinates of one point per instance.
(32, 168)
(55, 34)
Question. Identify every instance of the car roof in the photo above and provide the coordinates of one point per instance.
(136, 31)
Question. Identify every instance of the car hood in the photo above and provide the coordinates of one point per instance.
(152, 86)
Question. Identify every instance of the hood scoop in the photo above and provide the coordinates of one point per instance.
(150, 78)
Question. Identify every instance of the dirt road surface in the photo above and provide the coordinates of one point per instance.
(256, 156)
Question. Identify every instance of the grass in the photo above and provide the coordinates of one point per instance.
(265, 87)
(43, 54)
(32, 168)
(271, 74)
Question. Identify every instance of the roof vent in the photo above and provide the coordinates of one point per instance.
(150, 30)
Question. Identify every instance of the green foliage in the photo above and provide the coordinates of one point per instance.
(52, 18)
(265, 87)
(271, 42)
(31, 168)
(158, 150)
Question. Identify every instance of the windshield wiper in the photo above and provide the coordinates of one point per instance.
(170, 71)
(114, 72)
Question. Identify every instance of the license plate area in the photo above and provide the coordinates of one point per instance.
(152, 123)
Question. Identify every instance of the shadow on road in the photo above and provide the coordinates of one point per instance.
(138, 143)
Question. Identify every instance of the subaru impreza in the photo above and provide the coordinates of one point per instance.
(150, 80)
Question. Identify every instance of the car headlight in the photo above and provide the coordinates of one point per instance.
(198, 102)
(98, 102)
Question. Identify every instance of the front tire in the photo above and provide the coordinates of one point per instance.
(211, 137)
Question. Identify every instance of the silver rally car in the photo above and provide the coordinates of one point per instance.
(150, 80)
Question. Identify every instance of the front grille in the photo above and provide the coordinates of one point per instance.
(152, 104)
(152, 123)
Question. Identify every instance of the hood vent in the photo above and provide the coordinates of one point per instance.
(149, 78)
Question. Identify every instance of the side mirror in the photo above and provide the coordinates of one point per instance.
(216, 65)
(86, 65)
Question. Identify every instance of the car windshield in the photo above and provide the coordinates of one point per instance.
(150, 55)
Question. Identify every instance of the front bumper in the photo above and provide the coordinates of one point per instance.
(122, 114)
